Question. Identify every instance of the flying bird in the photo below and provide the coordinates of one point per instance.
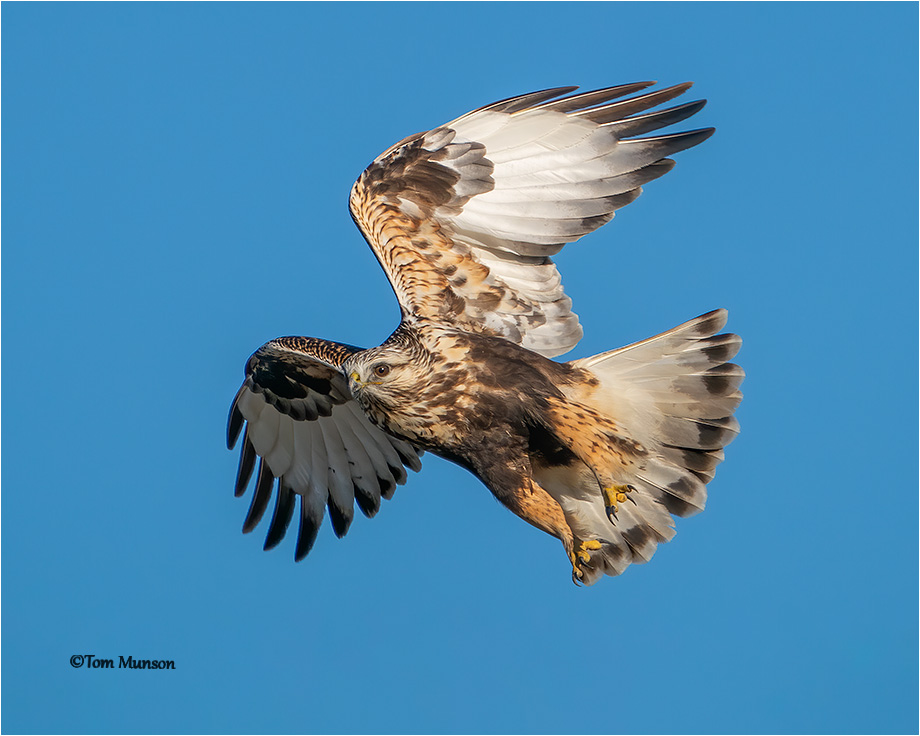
(599, 452)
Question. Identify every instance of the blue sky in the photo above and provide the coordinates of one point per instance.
(174, 195)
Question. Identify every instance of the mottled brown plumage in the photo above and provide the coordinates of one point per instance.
(464, 220)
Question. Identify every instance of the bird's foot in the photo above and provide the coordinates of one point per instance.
(581, 556)
(615, 495)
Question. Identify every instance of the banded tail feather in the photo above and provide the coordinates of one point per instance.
(675, 394)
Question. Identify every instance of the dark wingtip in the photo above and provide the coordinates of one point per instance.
(340, 519)
(631, 87)
(368, 504)
(525, 101)
(695, 137)
(234, 424)
(689, 109)
(306, 533)
(247, 463)
(677, 142)
(387, 487)
(260, 498)
(281, 518)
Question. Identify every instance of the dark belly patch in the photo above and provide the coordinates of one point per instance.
(545, 448)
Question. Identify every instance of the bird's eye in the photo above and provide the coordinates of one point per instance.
(382, 370)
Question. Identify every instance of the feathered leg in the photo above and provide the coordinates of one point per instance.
(600, 444)
(512, 484)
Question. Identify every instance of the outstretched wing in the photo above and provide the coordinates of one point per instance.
(298, 417)
(464, 218)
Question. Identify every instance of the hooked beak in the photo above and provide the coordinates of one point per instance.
(354, 381)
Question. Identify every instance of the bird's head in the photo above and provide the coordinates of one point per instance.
(386, 377)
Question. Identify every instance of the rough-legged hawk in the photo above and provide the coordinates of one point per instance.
(464, 219)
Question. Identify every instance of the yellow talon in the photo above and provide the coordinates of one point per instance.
(582, 556)
(610, 497)
(613, 496)
(584, 553)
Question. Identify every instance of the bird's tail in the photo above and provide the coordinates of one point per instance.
(674, 396)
